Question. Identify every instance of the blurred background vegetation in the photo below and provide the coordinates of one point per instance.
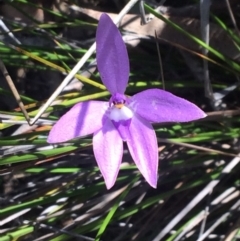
(56, 192)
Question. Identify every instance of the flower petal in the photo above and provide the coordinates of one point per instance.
(82, 119)
(157, 105)
(112, 56)
(123, 128)
(108, 151)
(143, 147)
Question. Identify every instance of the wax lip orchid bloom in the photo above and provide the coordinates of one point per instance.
(122, 118)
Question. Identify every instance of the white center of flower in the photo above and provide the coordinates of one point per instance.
(124, 113)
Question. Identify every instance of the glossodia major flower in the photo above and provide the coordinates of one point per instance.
(122, 118)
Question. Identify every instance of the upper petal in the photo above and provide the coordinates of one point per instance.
(143, 147)
(82, 119)
(112, 57)
(157, 105)
(108, 151)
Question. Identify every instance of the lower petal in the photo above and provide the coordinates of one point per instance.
(143, 148)
(108, 151)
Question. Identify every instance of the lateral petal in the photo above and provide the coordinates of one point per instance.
(112, 56)
(143, 148)
(108, 151)
(82, 119)
(157, 105)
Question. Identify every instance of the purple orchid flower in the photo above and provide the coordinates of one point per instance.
(123, 118)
